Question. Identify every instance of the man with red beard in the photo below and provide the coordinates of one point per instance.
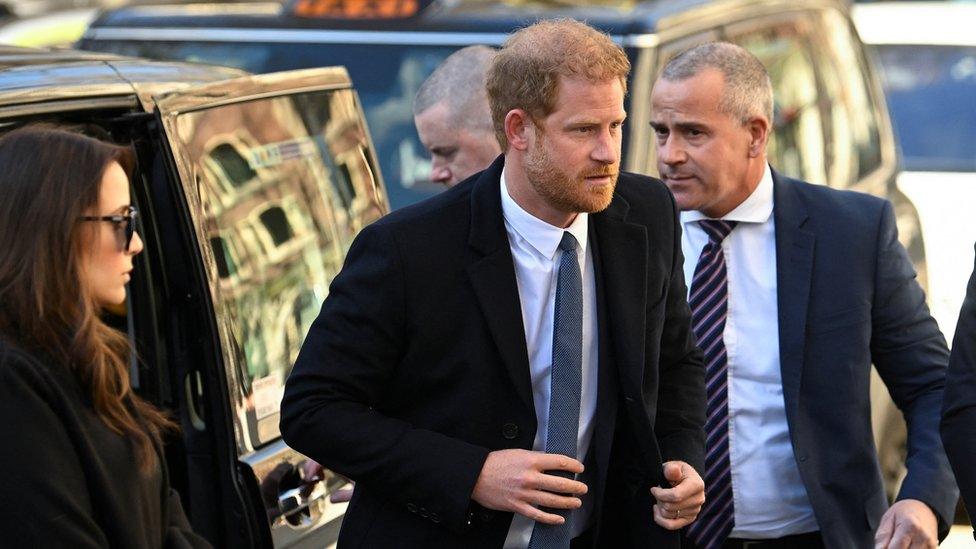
(510, 363)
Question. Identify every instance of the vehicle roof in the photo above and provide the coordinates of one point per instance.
(916, 23)
(616, 17)
(33, 75)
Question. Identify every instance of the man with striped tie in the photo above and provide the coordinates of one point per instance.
(795, 290)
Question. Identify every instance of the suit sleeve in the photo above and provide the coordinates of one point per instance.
(46, 501)
(959, 401)
(332, 409)
(910, 354)
(681, 396)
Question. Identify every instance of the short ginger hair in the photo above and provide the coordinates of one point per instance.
(525, 73)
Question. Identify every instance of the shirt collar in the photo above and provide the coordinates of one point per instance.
(757, 208)
(542, 236)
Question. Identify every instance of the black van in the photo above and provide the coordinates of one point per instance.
(250, 190)
(831, 125)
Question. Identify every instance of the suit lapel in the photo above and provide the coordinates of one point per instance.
(608, 392)
(493, 279)
(794, 268)
(623, 277)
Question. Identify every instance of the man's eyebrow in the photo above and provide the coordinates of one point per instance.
(683, 126)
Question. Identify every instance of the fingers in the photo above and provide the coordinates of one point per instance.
(673, 472)
(669, 521)
(557, 462)
(882, 538)
(900, 540)
(688, 492)
(907, 534)
(553, 501)
(557, 484)
(537, 514)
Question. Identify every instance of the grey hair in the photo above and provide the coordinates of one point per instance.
(748, 90)
(460, 82)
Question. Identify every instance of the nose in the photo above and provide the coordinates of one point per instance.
(440, 172)
(671, 152)
(607, 149)
(136, 245)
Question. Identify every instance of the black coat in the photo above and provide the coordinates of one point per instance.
(68, 480)
(959, 401)
(417, 368)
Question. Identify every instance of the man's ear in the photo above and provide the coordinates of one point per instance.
(758, 128)
(518, 124)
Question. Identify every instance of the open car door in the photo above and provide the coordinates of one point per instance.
(276, 175)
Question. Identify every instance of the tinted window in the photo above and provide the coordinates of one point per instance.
(931, 92)
(798, 144)
(825, 122)
(386, 79)
(278, 222)
(854, 122)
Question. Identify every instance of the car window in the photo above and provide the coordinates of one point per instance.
(856, 141)
(798, 144)
(385, 76)
(285, 184)
(931, 92)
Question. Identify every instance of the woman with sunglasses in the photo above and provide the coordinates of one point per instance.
(80, 453)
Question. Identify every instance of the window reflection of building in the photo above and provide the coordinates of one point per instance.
(281, 202)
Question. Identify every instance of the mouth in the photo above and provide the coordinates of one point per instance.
(127, 275)
(677, 178)
(600, 179)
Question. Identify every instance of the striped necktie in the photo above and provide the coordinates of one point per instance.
(709, 308)
(562, 432)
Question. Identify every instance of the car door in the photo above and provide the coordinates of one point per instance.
(276, 176)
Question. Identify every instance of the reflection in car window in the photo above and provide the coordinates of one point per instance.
(856, 139)
(931, 93)
(797, 147)
(286, 183)
(386, 86)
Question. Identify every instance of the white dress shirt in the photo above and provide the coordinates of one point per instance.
(768, 494)
(535, 251)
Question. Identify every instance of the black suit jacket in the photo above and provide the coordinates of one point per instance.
(847, 297)
(959, 401)
(417, 368)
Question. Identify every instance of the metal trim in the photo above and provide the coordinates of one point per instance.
(30, 109)
(322, 36)
(249, 88)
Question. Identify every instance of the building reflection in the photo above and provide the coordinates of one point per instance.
(284, 186)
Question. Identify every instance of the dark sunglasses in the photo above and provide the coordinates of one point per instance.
(125, 224)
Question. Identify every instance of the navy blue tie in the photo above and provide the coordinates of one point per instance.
(562, 432)
(709, 299)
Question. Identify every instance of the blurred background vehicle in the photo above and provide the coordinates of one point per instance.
(59, 28)
(250, 191)
(927, 55)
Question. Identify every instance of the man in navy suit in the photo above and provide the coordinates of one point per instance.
(527, 325)
(959, 405)
(795, 290)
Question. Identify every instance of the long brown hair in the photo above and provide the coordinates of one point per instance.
(49, 177)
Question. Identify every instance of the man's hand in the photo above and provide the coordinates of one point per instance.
(909, 523)
(516, 480)
(679, 505)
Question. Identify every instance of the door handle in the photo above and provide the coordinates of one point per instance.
(299, 509)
